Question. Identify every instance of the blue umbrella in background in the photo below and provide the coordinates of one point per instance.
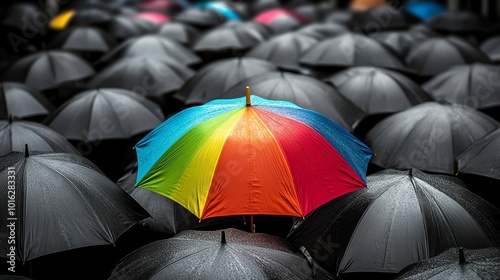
(221, 8)
(425, 9)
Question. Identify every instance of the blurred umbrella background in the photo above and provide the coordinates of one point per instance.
(97, 89)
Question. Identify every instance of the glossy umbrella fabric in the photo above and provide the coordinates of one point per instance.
(398, 41)
(436, 55)
(351, 50)
(227, 254)
(401, 217)
(15, 134)
(18, 100)
(322, 31)
(425, 9)
(482, 157)
(377, 90)
(307, 92)
(145, 75)
(89, 17)
(475, 85)
(268, 158)
(105, 113)
(124, 27)
(217, 77)
(281, 20)
(48, 69)
(180, 32)
(84, 39)
(202, 18)
(233, 35)
(167, 216)
(284, 50)
(155, 17)
(457, 263)
(152, 45)
(221, 8)
(428, 136)
(490, 47)
(63, 202)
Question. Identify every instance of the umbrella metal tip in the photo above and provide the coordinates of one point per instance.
(248, 96)
(461, 255)
(26, 151)
(223, 237)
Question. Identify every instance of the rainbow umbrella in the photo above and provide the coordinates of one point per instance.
(229, 157)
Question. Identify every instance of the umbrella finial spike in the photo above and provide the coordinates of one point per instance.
(223, 237)
(26, 151)
(248, 96)
(461, 255)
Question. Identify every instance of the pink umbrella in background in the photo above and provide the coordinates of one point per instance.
(281, 20)
(152, 16)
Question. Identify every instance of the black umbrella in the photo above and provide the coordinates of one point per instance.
(383, 18)
(15, 134)
(105, 113)
(228, 254)
(146, 75)
(152, 45)
(428, 136)
(90, 17)
(125, 27)
(284, 50)
(219, 76)
(421, 32)
(83, 39)
(259, 6)
(401, 217)
(482, 157)
(461, 22)
(62, 202)
(20, 101)
(399, 42)
(281, 20)
(351, 50)
(491, 48)
(180, 32)
(13, 277)
(436, 55)
(201, 18)
(475, 85)
(341, 16)
(232, 36)
(322, 31)
(23, 26)
(307, 92)
(457, 263)
(48, 70)
(377, 90)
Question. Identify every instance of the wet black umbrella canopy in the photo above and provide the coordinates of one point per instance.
(401, 217)
(219, 76)
(482, 158)
(428, 136)
(18, 100)
(48, 69)
(63, 202)
(15, 134)
(457, 263)
(227, 254)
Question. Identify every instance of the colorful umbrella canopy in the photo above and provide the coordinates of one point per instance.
(456, 263)
(221, 8)
(152, 16)
(234, 157)
(425, 9)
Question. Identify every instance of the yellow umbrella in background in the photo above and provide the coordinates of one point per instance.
(60, 21)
